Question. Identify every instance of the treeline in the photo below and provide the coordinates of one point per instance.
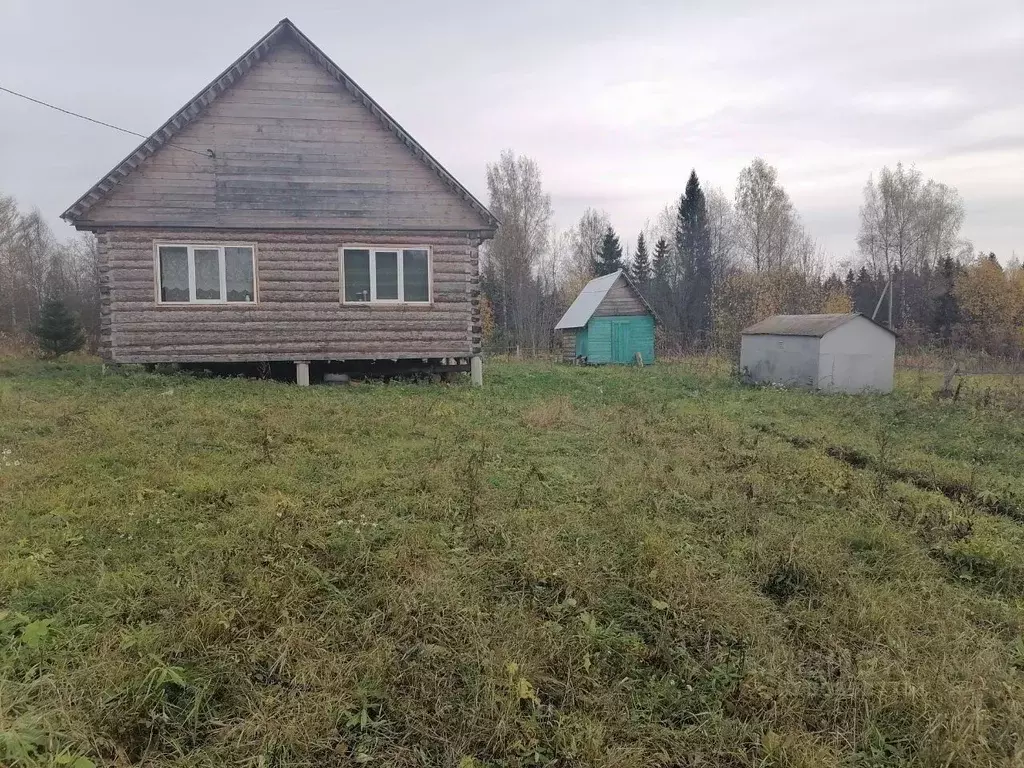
(36, 266)
(711, 264)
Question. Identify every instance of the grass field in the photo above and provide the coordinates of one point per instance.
(568, 567)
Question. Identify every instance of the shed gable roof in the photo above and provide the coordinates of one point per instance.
(590, 298)
(804, 325)
(187, 116)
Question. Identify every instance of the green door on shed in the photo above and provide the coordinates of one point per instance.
(622, 350)
(618, 339)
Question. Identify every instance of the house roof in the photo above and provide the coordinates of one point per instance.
(590, 298)
(284, 29)
(804, 325)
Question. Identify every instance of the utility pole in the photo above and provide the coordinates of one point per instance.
(888, 287)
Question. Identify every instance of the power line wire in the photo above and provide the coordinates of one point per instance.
(208, 153)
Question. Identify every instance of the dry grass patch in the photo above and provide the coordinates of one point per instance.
(553, 413)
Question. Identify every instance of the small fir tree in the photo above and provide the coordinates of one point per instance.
(641, 269)
(947, 312)
(58, 331)
(610, 258)
(864, 293)
(660, 263)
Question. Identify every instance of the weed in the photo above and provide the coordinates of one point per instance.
(788, 580)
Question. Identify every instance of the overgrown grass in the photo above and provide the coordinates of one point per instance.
(569, 567)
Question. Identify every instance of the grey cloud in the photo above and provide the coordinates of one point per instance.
(616, 101)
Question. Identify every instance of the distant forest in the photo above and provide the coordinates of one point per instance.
(709, 264)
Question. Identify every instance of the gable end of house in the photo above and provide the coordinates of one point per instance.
(283, 138)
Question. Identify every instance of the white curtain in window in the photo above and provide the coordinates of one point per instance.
(174, 274)
(207, 265)
(238, 274)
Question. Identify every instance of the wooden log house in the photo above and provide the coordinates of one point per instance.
(283, 215)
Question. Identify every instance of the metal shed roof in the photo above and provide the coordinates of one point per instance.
(804, 325)
(590, 298)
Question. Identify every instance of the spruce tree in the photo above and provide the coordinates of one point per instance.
(610, 258)
(58, 331)
(659, 266)
(832, 285)
(693, 242)
(865, 292)
(947, 311)
(658, 289)
(641, 269)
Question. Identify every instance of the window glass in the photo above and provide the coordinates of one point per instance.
(416, 275)
(387, 275)
(357, 274)
(173, 273)
(238, 274)
(207, 266)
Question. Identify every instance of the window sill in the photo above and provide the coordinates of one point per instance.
(194, 304)
(387, 303)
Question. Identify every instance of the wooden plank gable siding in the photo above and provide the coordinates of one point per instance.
(298, 315)
(621, 300)
(293, 148)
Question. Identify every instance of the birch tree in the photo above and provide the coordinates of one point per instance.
(586, 240)
(722, 227)
(517, 198)
(909, 227)
(890, 219)
(764, 216)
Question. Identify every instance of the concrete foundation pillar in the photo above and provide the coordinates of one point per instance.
(302, 373)
(476, 370)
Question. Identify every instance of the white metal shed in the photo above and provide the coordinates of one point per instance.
(835, 353)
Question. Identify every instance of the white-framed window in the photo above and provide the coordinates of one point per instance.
(205, 273)
(382, 274)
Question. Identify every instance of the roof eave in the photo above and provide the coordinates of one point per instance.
(811, 334)
(875, 322)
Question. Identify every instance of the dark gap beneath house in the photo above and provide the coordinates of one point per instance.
(328, 371)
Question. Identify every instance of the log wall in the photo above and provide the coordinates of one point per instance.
(298, 314)
(569, 345)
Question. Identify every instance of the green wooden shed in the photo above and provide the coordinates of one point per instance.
(610, 322)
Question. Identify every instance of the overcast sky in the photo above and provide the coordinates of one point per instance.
(617, 101)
